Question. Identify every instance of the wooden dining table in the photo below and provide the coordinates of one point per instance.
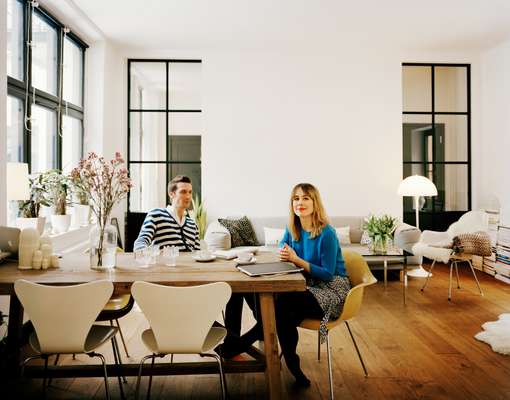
(74, 269)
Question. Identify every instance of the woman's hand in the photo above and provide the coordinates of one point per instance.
(288, 254)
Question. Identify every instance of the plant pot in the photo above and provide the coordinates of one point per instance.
(36, 223)
(81, 215)
(60, 223)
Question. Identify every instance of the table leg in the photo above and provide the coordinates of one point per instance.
(14, 331)
(270, 346)
(385, 272)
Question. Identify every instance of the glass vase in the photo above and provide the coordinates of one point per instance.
(103, 247)
(380, 244)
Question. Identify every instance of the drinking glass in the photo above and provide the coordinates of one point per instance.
(143, 255)
(170, 255)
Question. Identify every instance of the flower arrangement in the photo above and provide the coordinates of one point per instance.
(380, 230)
(199, 214)
(107, 183)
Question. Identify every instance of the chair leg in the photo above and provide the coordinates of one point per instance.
(223, 382)
(357, 349)
(330, 368)
(122, 338)
(318, 346)
(54, 364)
(150, 379)
(45, 357)
(428, 275)
(476, 279)
(457, 274)
(101, 357)
(115, 346)
(118, 365)
(26, 361)
(450, 281)
(140, 374)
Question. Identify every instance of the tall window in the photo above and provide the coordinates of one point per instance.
(436, 134)
(45, 89)
(164, 128)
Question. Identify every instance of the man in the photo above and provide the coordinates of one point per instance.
(171, 226)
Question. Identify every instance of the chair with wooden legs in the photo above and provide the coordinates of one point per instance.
(181, 321)
(69, 329)
(454, 260)
(360, 277)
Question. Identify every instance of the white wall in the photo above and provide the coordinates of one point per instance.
(494, 149)
(3, 110)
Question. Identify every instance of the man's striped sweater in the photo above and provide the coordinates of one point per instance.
(161, 228)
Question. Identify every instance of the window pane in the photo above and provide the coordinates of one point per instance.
(450, 89)
(451, 181)
(185, 148)
(73, 72)
(416, 88)
(15, 39)
(416, 129)
(148, 86)
(14, 129)
(44, 141)
(185, 123)
(184, 86)
(147, 136)
(149, 187)
(44, 55)
(191, 170)
(71, 142)
(451, 138)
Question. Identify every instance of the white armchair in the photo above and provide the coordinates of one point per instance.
(437, 245)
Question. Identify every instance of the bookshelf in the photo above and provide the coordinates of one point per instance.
(502, 260)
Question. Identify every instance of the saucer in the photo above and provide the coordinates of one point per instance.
(203, 259)
(239, 262)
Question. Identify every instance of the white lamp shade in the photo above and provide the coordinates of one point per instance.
(18, 186)
(417, 185)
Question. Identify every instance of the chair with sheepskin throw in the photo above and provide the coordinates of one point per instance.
(463, 239)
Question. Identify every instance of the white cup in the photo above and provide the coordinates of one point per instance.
(204, 254)
(245, 256)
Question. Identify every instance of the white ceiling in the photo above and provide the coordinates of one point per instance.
(278, 24)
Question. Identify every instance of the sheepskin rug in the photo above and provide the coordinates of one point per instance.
(497, 334)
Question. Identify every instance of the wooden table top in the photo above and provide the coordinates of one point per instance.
(74, 268)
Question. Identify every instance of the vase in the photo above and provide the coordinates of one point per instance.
(380, 244)
(103, 247)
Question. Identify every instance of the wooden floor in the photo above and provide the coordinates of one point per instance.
(424, 350)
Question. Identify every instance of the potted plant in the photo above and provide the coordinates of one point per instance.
(107, 182)
(82, 202)
(199, 214)
(57, 191)
(28, 216)
(380, 231)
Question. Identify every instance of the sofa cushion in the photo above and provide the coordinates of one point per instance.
(343, 234)
(217, 237)
(241, 231)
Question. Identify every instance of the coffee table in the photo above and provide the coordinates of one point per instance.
(393, 254)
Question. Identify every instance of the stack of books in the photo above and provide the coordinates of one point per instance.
(502, 263)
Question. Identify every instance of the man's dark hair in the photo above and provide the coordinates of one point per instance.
(172, 185)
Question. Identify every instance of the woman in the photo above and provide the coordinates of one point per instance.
(310, 243)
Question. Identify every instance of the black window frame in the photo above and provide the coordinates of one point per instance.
(167, 111)
(17, 88)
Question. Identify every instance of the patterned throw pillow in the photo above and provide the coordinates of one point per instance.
(365, 239)
(241, 231)
(478, 243)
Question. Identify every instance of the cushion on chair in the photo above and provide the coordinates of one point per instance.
(241, 231)
(478, 244)
(217, 237)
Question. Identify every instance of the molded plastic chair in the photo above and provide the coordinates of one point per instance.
(69, 329)
(360, 277)
(181, 320)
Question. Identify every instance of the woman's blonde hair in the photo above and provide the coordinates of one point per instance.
(319, 217)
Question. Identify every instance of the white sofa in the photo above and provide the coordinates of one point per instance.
(217, 236)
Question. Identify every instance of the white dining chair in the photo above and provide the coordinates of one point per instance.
(181, 320)
(63, 318)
